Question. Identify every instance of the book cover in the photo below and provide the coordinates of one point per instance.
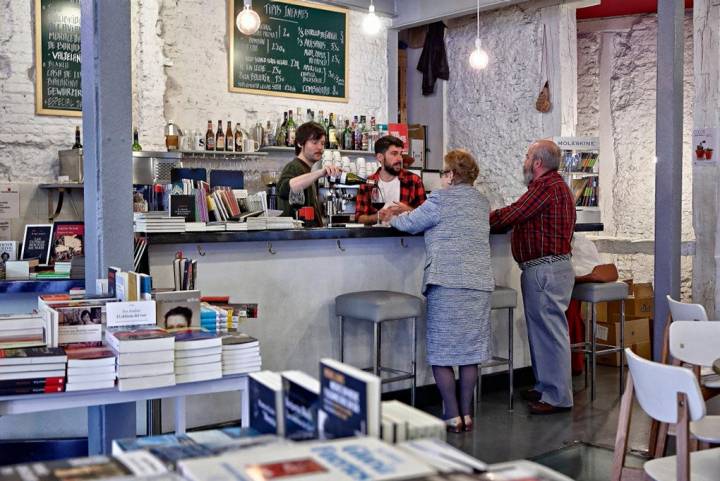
(178, 309)
(146, 442)
(87, 356)
(183, 206)
(350, 401)
(33, 355)
(266, 401)
(8, 251)
(80, 325)
(139, 340)
(67, 240)
(189, 339)
(112, 279)
(239, 341)
(36, 242)
(301, 397)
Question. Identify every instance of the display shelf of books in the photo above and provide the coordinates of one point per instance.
(580, 167)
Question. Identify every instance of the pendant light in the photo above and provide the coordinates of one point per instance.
(248, 21)
(478, 58)
(371, 24)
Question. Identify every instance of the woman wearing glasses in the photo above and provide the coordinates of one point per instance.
(458, 281)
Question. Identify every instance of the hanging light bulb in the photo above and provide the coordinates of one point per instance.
(248, 21)
(479, 58)
(371, 24)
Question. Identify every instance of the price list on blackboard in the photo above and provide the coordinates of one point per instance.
(299, 51)
(58, 57)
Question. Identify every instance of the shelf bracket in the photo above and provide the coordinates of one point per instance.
(270, 249)
(342, 249)
(403, 243)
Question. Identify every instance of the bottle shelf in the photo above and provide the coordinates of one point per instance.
(342, 152)
(220, 153)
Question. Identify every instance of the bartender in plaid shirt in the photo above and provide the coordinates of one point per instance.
(402, 190)
(542, 222)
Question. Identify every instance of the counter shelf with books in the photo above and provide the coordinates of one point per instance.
(580, 167)
(44, 286)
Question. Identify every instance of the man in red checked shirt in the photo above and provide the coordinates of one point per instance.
(542, 222)
(402, 190)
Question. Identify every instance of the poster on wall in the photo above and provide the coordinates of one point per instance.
(704, 143)
(9, 203)
(57, 58)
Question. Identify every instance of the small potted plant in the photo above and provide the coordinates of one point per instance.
(700, 151)
(708, 153)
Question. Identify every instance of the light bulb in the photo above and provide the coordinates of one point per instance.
(371, 24)
(479, 58)
(248, 21)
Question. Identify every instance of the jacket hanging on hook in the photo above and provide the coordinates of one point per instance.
(433, 60)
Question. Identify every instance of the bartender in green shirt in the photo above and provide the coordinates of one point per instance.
(297, 186)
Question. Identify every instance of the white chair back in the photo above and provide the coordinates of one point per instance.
(695, 343)
(682, 311)
(657, 385)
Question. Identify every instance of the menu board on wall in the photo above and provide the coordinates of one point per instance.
(300, 50)
(57, 57)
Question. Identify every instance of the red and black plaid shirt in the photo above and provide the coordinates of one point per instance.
(542, 219)
(412, 193)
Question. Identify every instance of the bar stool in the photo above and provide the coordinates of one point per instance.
(378, 307)
(594, 292)
(502, 298)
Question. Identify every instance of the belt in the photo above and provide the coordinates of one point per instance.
(544, 260)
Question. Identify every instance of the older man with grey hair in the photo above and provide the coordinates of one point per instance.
(542, 222)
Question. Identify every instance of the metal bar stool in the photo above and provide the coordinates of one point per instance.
(378, 307)
(502, 298)
(594, 292)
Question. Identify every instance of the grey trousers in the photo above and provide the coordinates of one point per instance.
(546, 291)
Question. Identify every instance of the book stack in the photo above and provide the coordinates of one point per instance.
(184, 274)
(266, 403)
(198, 356)
(22, 330)
(236, 226)
(157, 222)
(145, 358)
(90, 368)
(401, 422)
(301, 397)
(279, 223)
(240, 354)
(222, 204)
(257, 223)
(215, 318)
(77, 267)
(32, 370)
(62, 269)
(204, 226)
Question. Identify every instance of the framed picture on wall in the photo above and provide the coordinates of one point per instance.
(36, 242)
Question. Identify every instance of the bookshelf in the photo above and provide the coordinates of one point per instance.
(580, 167)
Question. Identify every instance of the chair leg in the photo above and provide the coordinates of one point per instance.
(511, 319)
(376, 348)
(478, 388)
(593, 348)
(414, 362)
(342, 338)
(655, 427)
(621, 437)
(622, 343)
(682, 438)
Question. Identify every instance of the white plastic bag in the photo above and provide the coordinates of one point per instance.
(585, 255)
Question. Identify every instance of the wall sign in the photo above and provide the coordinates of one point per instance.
(57, 58)
(301, 50)
(704, 142)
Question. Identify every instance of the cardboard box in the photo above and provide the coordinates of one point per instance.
(642, 349)
(636, 331)
(639, 305)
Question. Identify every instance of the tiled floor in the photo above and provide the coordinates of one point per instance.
(570, 442)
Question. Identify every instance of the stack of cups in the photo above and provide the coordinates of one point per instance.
(361, 167)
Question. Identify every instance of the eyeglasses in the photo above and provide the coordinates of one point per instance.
(443, 173)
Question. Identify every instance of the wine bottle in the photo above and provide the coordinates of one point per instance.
(347, 142)
(136, 147)
(290, 130)
(332, 142)
(77, 144)
(281, 138)
(349, 178)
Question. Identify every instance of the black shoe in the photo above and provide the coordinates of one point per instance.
(531, 395)
(545, 408)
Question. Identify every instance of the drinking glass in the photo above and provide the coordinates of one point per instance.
(377, 200)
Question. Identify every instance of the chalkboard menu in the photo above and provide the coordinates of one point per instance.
(57, 57)
(300, 50)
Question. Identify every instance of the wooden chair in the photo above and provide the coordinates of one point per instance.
(669, 394)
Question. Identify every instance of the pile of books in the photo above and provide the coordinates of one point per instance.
(401, 422)
(62, 269)
(198, 356)
(240, 354)
(215, 318)
(77, 267)
(273, 223)
(157, 222)
(204, 226)
(32, 370)
(90, 368)
(22, 330)
(145, 358)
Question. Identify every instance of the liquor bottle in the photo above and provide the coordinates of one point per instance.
(136, 147)
(332, 133)
(220, 138)
(321, 120)
(77, 144)
(258, 133)
(229, 138)
(269, 139)
(365, 135)
(374, 134)
(299, 116)
(310, 116)
(348, 178)
(238, 138)
(347, 138)
(281, 137)
(210, 137)
(290, 130)
(358, 134)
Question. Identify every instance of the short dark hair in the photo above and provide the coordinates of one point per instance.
(307, 131)
(180, 311)
(383, 143)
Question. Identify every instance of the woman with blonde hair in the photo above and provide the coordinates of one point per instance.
(457, 282)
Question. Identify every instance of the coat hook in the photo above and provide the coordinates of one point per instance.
(270, 249)
(342, 249)
(402, 243)
(200, 251)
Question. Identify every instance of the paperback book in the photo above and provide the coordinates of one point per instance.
(266, 403)
(301, 397)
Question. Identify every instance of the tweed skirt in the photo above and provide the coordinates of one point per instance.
(458, 326)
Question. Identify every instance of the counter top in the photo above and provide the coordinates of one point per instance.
(296, 234)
